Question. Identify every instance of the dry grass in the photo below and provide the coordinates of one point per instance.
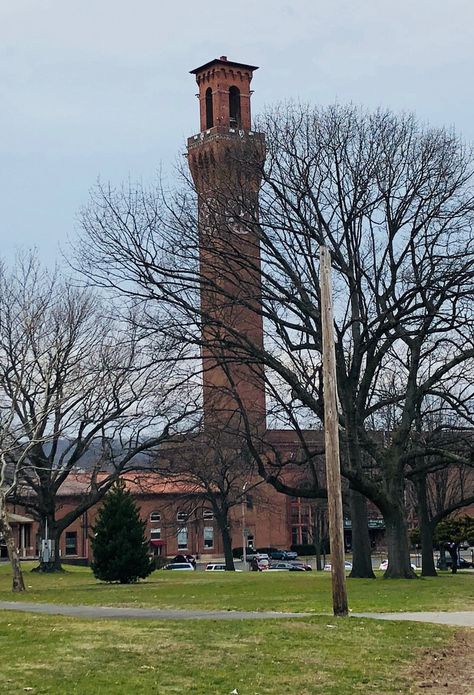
(306, 656)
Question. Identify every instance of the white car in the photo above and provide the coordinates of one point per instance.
(186, 566)
(217, 567)
(347, 566)
(384, 566)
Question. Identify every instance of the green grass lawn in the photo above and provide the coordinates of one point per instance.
(321, 654)
(43, 654)
(295, 591)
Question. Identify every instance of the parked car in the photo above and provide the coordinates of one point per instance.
(279, 566)
(278, 554)
(259, 564)
(384, 566)
(250, 553)
(184, 558)
(217, 567)
(463, 564)
(291, 555)
(303, 565)
(347, 566)
(284, 566)
(179, 566)
(283, 555)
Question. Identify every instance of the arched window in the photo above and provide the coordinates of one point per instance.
(209, 113)
(234, 106)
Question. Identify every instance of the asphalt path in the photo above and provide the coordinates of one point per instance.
(459, 618)
(139, 613)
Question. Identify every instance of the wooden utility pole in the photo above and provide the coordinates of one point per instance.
(331, 438)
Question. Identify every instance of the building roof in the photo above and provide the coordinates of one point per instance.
(18, 518)
(137, 483)
(222, 61)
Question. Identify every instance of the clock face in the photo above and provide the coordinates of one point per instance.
(236, 215)
(242, 214)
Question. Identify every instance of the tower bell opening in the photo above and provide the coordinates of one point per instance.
(234, 107)
(209, 109)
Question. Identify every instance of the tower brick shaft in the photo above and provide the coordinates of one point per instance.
(225, 159)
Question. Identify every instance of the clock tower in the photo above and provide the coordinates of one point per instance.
(225, 159)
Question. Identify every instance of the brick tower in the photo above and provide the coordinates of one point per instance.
(225, 159)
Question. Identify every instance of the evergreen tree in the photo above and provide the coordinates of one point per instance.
(119, 544)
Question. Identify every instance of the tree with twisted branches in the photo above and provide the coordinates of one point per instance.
(393, 201)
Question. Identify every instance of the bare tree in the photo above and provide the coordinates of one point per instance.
(12, 457)
(87, 392)
(435, 494)
(393, 201)
(215, 468)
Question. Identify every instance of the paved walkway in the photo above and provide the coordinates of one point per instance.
(137, 613)
(459, 618)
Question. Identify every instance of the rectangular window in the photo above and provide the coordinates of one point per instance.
(71, 543)
(207, 514)
(208, 537)
(181, 516)
(155, 534)
(304, 535)
(182, 538)
(305, 515)
(155, 516)
(249, 499)
(295, 515)
(294, 535)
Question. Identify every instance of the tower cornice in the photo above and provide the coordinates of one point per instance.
(222, 61)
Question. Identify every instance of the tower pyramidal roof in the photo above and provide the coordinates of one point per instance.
(225, 62)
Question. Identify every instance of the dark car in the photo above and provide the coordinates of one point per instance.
(301, 565)
(184, 558)
(283, 555)
(278, 555)
(291, 555)
(282, 566)
(462, 563)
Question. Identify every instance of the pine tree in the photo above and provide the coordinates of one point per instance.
(119, 544)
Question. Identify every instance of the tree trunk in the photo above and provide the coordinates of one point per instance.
(361, 555)
(317, 539)
(428, 568)
(222, 519)
(227, 543)
(18, 585)
(399, 566)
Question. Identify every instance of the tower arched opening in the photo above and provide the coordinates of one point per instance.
(234, 107)
(209, 109)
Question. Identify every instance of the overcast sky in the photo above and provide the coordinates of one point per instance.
(101, 88)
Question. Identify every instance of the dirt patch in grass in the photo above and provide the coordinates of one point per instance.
(447, 670)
